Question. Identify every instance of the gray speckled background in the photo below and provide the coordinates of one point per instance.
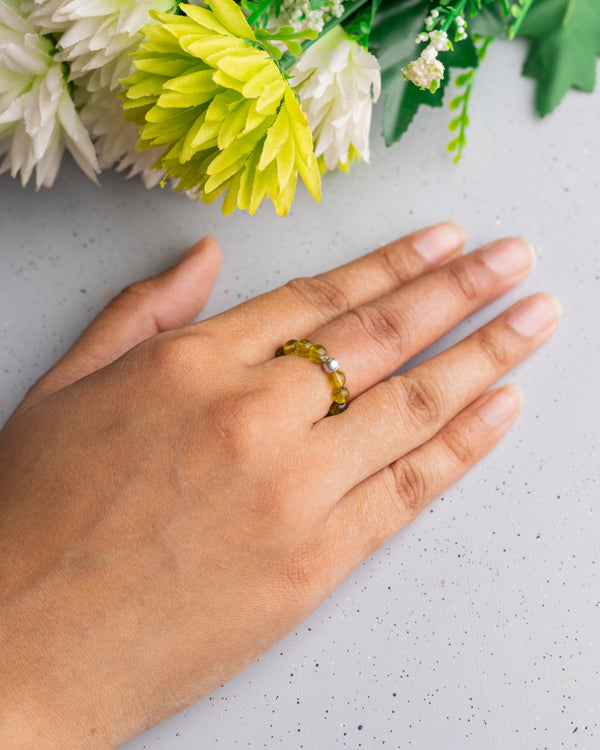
(479, 625)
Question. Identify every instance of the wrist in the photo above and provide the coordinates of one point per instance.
(41, 705)
(30, 724)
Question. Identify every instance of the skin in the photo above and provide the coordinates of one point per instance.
(172, 502)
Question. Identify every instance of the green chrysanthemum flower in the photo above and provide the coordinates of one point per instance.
(213, 96)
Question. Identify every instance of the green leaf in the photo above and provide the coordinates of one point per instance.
(294, 47)
(463, 79)
(544, 17)
(394, 29)
(464, 55)
(490, 22)
(393, 41)
(565, 44)
(358, 26)
(401, 105)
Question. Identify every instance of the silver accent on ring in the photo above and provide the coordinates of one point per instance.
(330, 364)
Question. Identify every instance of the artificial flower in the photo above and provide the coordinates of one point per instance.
(427, 71)
(243, 96)
(338, 81)
(96, 40)
(300, 15)
(115, 139)
(216, 102)
(38, 119)
(96, 35)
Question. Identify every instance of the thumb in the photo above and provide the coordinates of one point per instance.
(169, 300)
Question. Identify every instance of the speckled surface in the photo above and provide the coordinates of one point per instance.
(478, 626)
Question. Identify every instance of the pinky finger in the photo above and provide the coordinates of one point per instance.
(387, 501)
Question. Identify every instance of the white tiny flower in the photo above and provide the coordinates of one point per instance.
(300, 15)
(38, 119)
(429, 54)
(426, 73)
(435, 13)
(337, 81)
(460, 21)
(439, 39)
(429, 21)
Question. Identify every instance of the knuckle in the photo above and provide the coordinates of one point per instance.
(465, 278)
(134, 294)
(170, 354)
(381, 326)
(459, 444)
(393, 263)
(493, 348)
(409, 488)
(320, 294)
(423, 400)
(236, 423)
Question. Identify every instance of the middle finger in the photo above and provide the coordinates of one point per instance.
(375, 339)
(263, 323)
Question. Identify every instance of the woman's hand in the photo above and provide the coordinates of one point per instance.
(172, 502)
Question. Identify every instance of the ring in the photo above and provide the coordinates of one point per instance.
(335, 377)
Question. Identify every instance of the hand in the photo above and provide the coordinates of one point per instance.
(172, 502)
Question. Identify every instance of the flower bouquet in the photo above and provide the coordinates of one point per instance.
(238, 99)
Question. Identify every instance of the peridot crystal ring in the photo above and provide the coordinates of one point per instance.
(335, 377)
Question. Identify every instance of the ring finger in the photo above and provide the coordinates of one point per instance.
(397, 416)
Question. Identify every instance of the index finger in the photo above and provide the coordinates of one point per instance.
(260, 325)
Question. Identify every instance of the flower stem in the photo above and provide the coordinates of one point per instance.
(453, 14)
(462, 101)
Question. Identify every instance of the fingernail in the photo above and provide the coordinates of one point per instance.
(535, 314)
(501, 406)
(438, 242)
(509, 256)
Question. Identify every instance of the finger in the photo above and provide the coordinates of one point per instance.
(169, 300)
(375, 339)
(304, 304)
(402, 413)
(390, 499)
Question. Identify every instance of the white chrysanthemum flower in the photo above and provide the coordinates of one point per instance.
(38, 119)
(115, 138)
(96, 34)
(95, 39)
(338, 81)
(427, 71)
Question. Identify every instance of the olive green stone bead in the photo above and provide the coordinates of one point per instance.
(340, 395)
(279, 352)
(336, 408)
(316, 353)
(288, 347)
(336, 379)
(303, 347)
